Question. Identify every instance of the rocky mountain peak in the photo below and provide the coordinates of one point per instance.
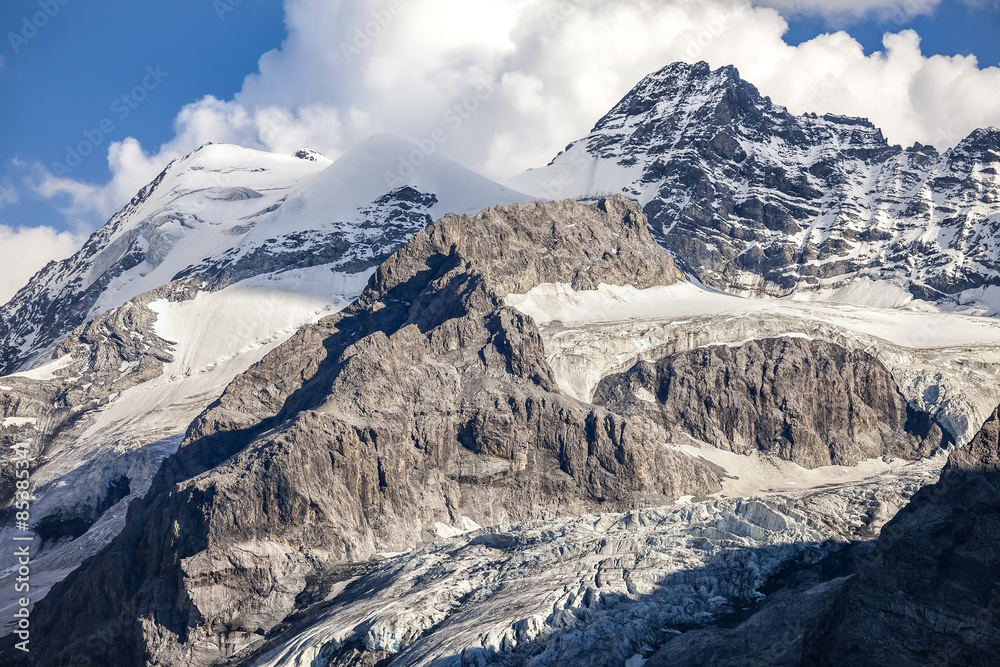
(981, 146)
(754, 200)
(225, 213)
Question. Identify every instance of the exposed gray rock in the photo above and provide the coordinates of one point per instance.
(427, 401)
(807, 401)
(930, 594)
(753, 199)
(103, 357)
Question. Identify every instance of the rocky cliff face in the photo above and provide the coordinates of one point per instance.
(752, 199)
(807, 401)
(426, 402)
(930, 594)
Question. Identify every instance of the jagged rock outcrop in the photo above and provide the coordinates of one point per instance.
(426, 402)
(95, 363)
(807, 401)
(755, 200)
(930, 594)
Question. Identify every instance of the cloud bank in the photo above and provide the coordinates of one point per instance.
(511, 82)
(25, 250)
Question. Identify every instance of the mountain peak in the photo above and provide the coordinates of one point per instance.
(982, 144)
(685, 88)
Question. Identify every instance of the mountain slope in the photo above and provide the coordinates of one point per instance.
(930, 594)
(426, 402)
(424, 409)
(217, 262)
(225, 213)
(754, 200)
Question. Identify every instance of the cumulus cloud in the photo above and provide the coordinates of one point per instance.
(131, 169)
(510, 82)
(25, 250)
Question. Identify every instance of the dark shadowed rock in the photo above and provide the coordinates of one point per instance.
(807, 401)
(930, 595)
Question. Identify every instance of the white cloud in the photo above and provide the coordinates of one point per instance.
(513, 81)
(25, 250)
(131, 168)
(8, 195)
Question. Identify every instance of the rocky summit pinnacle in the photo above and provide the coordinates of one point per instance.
(755, 200)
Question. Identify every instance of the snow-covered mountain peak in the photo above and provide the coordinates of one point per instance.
(982, 146)
(225, 213)
(386, 163)
(752, 199)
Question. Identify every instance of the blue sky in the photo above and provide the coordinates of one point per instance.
(954, 28)
(139, 82)
(65, 79)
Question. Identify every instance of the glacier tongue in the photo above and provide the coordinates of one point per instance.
(593, 590)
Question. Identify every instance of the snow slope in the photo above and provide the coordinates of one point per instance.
(226, 213)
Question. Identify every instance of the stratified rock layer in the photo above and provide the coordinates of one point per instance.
(807, 401)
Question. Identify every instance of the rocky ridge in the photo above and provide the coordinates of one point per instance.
(427, 401)
(752, 199)
(807, 401)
